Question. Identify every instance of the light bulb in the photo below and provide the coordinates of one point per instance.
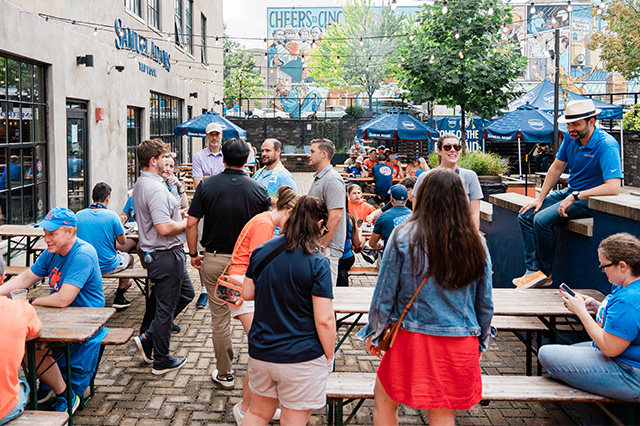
(533, 9)
(361, 41)
(95, 31)
(445, 9)
(338, 59)
(217, 40)
(461, 54)
(569, 7)
(457, 34)
(490, 11)
(394, 4)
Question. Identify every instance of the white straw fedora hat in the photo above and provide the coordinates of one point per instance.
(577, 110)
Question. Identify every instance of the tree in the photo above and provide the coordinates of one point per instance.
(620, 44)
(455, 55)
(241, 81)
(357, 53)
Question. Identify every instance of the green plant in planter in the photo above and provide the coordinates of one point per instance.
(354, 111)
(483, 163)
(631, 119)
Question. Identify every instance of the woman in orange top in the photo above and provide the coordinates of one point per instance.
(358, 207)
(257, 231)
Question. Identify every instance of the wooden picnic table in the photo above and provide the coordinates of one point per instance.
(64, 326)
(28, 236)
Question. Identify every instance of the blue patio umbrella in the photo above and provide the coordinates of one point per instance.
(196, 126)
(527, 123)
(396, 124)
(542, 97)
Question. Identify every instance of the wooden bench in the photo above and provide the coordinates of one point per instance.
(40, 418)
(363, 271)
(343, 388)
(116, 337)
(138, 275)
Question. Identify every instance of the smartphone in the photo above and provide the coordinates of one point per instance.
(567, 289)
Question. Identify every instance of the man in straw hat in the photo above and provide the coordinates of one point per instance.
(593, 157)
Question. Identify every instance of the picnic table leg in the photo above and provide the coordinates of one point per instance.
(67, 354)
(330, 413)
(539, 344)
(338, 411)
(9, 251)
(31, 374)
(529, 352)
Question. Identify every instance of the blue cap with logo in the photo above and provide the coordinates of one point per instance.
(56, 218)
(399, 192)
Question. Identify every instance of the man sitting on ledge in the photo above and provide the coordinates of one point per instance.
(593, 158)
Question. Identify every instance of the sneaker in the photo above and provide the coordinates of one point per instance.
(530, 281)
(61, 405)
(369, 256)
(238, 415)
(146, 347)
(226, 382)
(172, 363)
(175, 329)
(120, 302)
(45, 395)
(202, 301)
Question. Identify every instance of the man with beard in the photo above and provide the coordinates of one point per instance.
(273, 175)
(593, 158)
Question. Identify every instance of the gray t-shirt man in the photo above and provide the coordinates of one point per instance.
(329, 187)
(154, 204)
(469, 181)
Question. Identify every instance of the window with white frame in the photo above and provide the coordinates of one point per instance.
(134, 6)
(153, 13)
(188, 27)
(203, 33)
(178, 21)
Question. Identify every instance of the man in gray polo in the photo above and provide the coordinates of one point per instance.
(161, 227)
(329, 187)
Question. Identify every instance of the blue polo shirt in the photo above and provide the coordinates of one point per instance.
(383, 174)
(283, 329)
(100, 227)
(387, 221)
(592, 164)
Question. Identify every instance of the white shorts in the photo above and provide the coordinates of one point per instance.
(247, 307)
(299, 386)
(125, 258)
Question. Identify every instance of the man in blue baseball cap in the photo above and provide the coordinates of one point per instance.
(393, 217)
(74, 280)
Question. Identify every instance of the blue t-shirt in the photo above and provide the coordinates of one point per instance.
(592, 164)
(274, 179)
(79, 267)
(388, 220)
(16, 169)
(128, 209)
(283, 329)
(100, 227)
(383, 174)
(352, 169)
(347, 252)
(619, 314)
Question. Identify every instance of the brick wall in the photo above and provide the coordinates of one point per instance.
(631, 157)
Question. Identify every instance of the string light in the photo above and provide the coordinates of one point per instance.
(457, 34)
(461, 54)
(217, 40)
(599, 11)
(394, 4)
(338, 60)
(533, 9)
(361, 41)
(432, 59)
(553, 19)
(445, 9)
(411, 37)
(95, 31)
(490, 11)
(168, 36)
(264, 40)
(569, 7)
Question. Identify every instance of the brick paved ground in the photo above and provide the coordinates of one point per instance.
(128, 394)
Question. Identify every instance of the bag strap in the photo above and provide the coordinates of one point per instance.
(224, 271)
(268, 259)
(396, 326)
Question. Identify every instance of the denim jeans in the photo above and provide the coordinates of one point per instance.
(538, 235)
(585, 367)
(22, 402)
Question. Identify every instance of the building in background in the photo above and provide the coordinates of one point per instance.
(82, 84)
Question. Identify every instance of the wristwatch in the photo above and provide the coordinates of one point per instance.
(193, 255)
(575, 194)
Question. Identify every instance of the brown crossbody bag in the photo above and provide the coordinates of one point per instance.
(390, 331)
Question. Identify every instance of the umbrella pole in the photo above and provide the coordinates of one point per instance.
(622, 150)
(519, 159)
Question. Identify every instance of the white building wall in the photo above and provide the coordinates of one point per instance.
(24, 33)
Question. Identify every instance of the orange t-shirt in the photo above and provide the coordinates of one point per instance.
(370, 164)
(257, 231)
(360, 210)
(19, 320)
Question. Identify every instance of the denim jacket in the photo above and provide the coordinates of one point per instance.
(435, 311)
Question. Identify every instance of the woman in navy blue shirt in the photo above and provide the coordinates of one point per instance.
(292, 336)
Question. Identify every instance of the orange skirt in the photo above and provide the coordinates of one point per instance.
(431, 372)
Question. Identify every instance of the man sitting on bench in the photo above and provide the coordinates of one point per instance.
(102, 228)
(388, 220)
(24, 325)
(75, 280)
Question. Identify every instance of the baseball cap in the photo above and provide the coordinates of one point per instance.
(359, 159)
(382, 147)
(399, 192)
(213, 127)
(56, 218)
(382, 157)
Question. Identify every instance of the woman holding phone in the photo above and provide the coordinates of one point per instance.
(292, 336)
(434, 363)
(609, 365)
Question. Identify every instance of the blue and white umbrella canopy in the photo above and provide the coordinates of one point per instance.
(396, 124)
(196, 126)
(527, 123)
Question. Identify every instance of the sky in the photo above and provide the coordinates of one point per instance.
(248, 18)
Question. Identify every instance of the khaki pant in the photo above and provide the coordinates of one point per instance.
(212, 267)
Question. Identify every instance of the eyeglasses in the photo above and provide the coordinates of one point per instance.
(448, 147)
(170, 154)
(603, 267)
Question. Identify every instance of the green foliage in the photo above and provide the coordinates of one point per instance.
(359, 66)
(354, 111)
(620, 43)
(459, 58)
(329, 129)
(631, 119)
(241, 81)
(483, 163)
